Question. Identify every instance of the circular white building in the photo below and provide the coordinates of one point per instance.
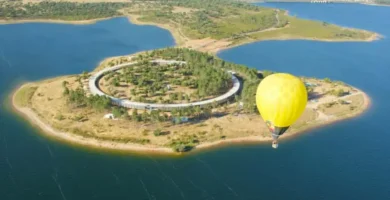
(95, 90)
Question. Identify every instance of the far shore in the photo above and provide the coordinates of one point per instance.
(220, 45)
(50, 132)
(205, 45)
(54, 21)
(374, 37)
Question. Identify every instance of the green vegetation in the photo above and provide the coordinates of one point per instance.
(77, 98)
(327, 80)
(328, 105)
(208, 68)
(266, 73)
(385, 2)
(152, 84)
(184, 143)
(59, 10)
(334, 1)
(304, 29)
(149, 83)
(338, 93)
(234, 21)
(23, 96)
(249, 76)
(120, 112)
(209, 18)
(88, 134)
(195, 59)
(59, 117)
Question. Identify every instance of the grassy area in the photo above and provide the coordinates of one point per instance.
(306, 29)
(23, 96)
(213, 19)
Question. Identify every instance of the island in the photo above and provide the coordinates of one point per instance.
(176, 99)
(170, 100)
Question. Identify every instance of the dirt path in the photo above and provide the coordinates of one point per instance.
(315, 105)
(322, 116)
(227, 40)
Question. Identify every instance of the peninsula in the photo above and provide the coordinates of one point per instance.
(176, 99)
(203, 25)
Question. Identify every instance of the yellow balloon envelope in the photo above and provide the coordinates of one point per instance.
(281, 99)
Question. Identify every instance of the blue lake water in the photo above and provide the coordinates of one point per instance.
(347, 160)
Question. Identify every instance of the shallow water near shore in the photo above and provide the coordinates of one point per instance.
(347, 160)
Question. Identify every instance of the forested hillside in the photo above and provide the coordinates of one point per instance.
(59, 10)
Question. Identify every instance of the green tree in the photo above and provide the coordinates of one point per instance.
(116, 112)
(236, 98)
(133, 92)
(145, 116)
(180, 97)
(65, 83)
(157, 132)
(66, 91)
(85, 75)
(340, 92)
(214, 105)
(134, 115)
(125, 113)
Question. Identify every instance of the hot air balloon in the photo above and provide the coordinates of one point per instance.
(281, 99)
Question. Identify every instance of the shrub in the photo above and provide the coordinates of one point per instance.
(116, 112)
(157, 132)
(59, 117)
(327, 80)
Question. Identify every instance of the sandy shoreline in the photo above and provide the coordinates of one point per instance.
(182, 41)
(50, 132)
(33, 118)
(374, 37)
(54, 21)
(179, 39)
(256, 139)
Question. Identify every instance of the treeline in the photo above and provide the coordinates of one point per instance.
(194, 112)
(387, 2)
(78, 98)
(59, 10)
